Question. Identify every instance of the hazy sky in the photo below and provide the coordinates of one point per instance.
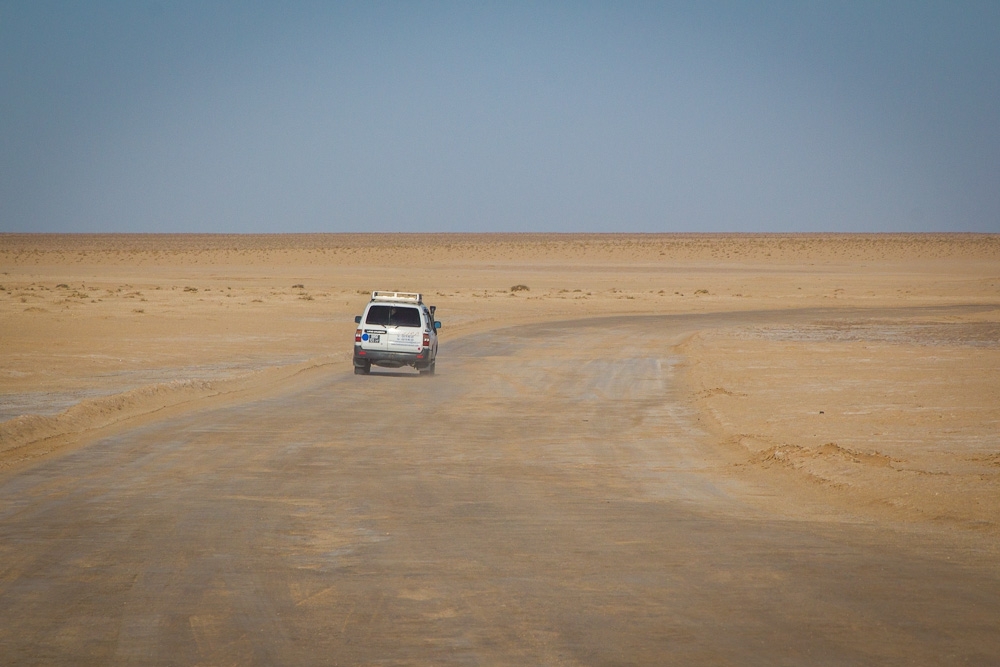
(666, 116)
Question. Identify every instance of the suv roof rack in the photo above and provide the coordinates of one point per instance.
(382, 295)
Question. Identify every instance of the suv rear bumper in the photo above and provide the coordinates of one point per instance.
(391, 359)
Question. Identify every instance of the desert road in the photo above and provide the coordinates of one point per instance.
(545, 499)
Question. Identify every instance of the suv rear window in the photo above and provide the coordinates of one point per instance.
(393, 316)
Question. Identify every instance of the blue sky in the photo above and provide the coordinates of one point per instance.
(565, 117)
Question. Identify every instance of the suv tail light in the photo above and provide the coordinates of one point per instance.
(427, 340)
(357, 336)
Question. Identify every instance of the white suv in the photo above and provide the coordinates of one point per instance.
(396, 330)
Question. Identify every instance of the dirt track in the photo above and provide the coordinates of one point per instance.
(547, 498)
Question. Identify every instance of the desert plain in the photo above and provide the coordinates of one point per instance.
(637, 449)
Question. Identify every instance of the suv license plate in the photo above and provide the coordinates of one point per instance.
(374, 338)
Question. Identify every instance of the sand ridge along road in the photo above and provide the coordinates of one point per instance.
(577, 489)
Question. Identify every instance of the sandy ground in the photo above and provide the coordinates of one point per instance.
(851, 378)
(96, 328)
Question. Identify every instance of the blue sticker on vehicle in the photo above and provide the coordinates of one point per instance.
(364, 336)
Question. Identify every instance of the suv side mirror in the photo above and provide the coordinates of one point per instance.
(437, 325)
(357, 319)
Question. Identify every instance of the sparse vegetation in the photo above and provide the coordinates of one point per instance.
(520, 288)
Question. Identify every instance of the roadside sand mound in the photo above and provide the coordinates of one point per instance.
(89, 414)
(899, 413)
(30, 436)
